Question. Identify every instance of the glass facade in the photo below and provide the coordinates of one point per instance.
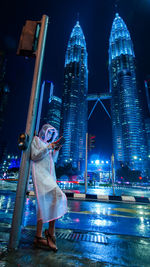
(147, 128)
(74, 104)
(53, 112)
(129, 142)
(147, 89)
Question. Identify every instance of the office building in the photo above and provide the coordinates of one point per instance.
(74, 103)
(129, 142)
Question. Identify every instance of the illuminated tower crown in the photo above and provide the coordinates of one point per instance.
(76, 42)
(120, 42)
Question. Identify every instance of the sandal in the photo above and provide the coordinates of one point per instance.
(38, 242)
(51, 238)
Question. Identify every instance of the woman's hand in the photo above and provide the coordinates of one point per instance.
(51, 146)
(57, 148)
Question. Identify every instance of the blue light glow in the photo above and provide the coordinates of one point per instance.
(75, 44)
(120, 40)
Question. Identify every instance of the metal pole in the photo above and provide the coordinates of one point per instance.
(92, 109)
(104, 108)
(112, 166)
(86, 156)
(40, 108)
(30, 127)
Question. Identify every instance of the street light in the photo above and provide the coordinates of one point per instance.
(97, 161)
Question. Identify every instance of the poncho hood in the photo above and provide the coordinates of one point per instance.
(44, 130)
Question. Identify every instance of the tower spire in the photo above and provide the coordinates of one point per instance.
(116, 6)
(78, 16)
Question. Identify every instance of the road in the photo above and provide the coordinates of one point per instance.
(111, 218)
(119, 190)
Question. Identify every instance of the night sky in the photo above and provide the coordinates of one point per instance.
(96, 19)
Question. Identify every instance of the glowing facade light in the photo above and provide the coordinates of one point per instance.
(135, 157)
(120, 40)
(97, 161)
(76, 42)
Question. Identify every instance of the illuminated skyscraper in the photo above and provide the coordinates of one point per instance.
(147, 89)
(4, 94)
(74, 104)
(53, 112)
(147, 120)
(51, 106)
(127, 124)
(4, 90)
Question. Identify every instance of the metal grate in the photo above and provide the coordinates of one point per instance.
(27, 235)
(96, 238)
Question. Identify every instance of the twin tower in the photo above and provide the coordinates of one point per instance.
(127, 126)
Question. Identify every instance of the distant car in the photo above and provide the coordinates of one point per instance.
(63, 178)
(10, 177)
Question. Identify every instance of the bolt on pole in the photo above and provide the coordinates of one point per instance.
(30, 127)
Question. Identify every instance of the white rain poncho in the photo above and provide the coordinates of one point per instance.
(51, 201)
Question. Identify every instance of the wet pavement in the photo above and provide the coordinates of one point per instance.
(90, 234)
(112, 218)
(118, 251)
(101, 190)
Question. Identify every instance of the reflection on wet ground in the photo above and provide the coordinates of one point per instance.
(77, 188)
(118, 218)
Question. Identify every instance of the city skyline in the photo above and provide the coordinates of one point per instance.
(96, 22)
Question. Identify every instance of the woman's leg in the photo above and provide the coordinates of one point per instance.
(51, 228)
(39, 240)
(50, 234)
(39, 228)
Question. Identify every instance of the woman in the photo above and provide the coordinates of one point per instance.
(51, 201)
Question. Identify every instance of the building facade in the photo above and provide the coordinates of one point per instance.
(147, 120)
(4, 90)
(147, 90)
(53, 112)
(129, 142)
(74, 104)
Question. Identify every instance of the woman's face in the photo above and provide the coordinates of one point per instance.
(48, 134)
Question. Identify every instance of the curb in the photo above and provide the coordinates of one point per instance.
(81, 196)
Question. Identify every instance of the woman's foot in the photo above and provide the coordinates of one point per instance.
(40, 242)
(51, 240)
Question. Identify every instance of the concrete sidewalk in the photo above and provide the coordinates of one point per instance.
(76, 249)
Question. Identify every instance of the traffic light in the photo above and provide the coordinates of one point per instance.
(23, 141)
(91, 143)
(29, 39)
